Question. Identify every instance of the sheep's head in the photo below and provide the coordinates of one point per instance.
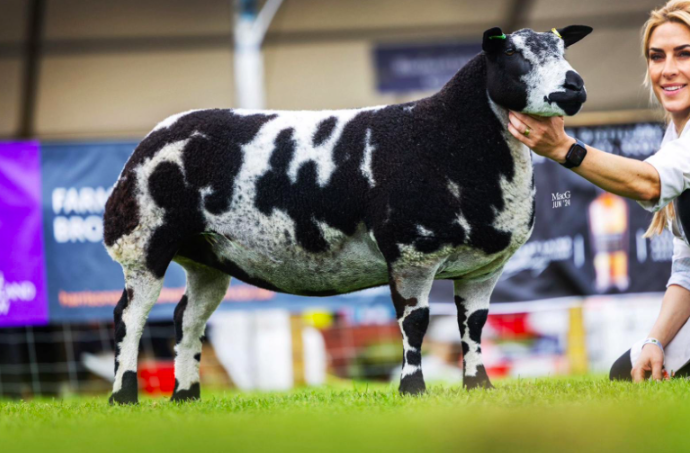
(527, 71)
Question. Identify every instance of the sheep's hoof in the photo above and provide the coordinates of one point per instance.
(479, 380)
(192, 394)
(412, 385)
(128, 393)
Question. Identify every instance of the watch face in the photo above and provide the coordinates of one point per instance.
(575, 155)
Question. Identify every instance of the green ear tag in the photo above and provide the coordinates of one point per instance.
(555, 32)
(501, 36)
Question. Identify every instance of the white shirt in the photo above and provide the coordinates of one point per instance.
(672, 161)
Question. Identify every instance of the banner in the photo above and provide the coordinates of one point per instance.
(22, 273)
(587, 241)
(419, 67)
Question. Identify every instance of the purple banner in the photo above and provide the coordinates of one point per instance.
(22, 272)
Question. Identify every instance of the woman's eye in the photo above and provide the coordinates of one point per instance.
(656, 57)
(685, 54)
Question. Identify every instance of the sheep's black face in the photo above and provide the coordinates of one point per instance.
(527, 71)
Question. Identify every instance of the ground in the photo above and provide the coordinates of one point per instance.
(550, 414)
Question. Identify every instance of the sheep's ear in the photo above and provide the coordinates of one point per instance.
(494, 40)
(573, 33)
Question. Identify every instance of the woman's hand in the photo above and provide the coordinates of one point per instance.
(651, 360)
(546, 135)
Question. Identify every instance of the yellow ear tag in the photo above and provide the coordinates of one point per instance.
(555, 32)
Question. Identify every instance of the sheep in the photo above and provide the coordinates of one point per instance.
(318, 203)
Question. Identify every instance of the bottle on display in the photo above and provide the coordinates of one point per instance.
(608, 224)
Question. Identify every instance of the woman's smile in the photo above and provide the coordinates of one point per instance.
(673, 90)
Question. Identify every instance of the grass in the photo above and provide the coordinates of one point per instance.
(563, 415)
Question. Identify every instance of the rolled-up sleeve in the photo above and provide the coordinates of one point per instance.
(673, 164)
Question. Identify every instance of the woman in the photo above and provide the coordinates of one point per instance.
(654, 183)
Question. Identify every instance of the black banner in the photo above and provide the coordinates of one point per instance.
(586, 241)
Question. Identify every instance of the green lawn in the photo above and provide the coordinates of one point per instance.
(555, 415)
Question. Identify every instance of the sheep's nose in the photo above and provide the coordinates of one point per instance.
(573, 81)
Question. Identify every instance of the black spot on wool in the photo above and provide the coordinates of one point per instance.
(182, 218)
(542, 45)
(212, 159)
(475, 324)
(121, 210)
(324, 130)
(178, 317)
(413, 358)
(533, 214)
(340, 203)
(275, 190)
(462, 315)
(120, 328)
(414, 326)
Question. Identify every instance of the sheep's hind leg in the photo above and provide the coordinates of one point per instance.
(141, 292)
(205, 290)
(472, 301)
(410, 290)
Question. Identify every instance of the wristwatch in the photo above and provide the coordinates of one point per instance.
(576, 155)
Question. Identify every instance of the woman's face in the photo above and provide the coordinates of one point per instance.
(669, 68)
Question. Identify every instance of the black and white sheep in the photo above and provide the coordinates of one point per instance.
(329, 202)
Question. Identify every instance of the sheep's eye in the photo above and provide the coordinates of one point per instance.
(510, 52)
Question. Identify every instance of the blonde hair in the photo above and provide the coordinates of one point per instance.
(677, 11)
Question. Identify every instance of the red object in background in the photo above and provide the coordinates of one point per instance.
(498, 371)
(511, 326)
(157, 377)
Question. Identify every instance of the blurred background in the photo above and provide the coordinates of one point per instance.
(82, 81)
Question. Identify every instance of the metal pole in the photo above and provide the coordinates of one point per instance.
(249, 32)
(32, 57)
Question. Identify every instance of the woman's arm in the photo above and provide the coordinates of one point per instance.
(629, 178)
(675, 311)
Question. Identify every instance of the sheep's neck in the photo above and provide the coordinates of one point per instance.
(466, 90)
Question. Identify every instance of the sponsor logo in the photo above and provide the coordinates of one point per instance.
(24, 291)
(560, 199)
(78, 214)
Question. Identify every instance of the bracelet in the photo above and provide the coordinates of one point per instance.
(655, 342)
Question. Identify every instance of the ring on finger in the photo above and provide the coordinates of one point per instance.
(527, 131)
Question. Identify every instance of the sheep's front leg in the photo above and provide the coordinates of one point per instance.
(410, 290)
(472, 301)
